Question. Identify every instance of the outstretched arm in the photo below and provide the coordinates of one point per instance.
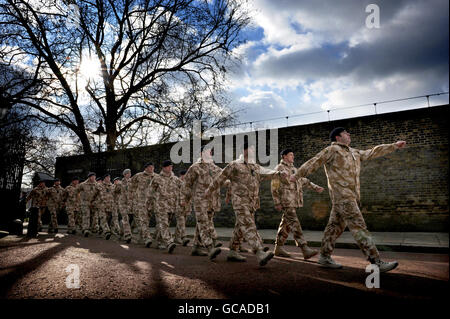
(314, 163)
(308, 184)
(380, 150)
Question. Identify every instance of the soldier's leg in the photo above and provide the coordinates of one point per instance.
(283, 230)
(85, 218)
(357, 226)
(162, 222)
(125, 222)
(203, 229)
(53, 218)
(245, 224)
(180, 231)
(334, 229)
(211, 225)
(40, 213)
(142, 221)
(70, 220)
(94, 220)
(103, 215)
(115, 226)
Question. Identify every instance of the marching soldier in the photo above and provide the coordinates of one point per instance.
(342, 166)
(287, 197)
(198, 177)
(38, 196)
(245, 176)
(165, 187)
(182, 213)
(71, 200)
(106, 206)
(122, 192)
(54, 204)
(89, 191)
(140, 184)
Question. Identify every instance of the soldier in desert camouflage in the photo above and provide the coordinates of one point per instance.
(71, 200)
(183, 210)
(90, 191)
(245, 176)
(38, 197)
(140, 187)
(198, 178)
(122, 193)
(165, 188)
(107, 207)
(342, 166)
(54, 204)
(287, 197)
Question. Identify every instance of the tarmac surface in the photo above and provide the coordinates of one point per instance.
(38, 268)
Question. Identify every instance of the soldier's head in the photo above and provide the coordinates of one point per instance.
(107, 178)
(288, 155)
(57, 182)
(167, 166)
(183, 174)
(249, 152)
(91, 177)
(340, 135)
(116, 180)
(75, 180)
(126, 173)
(149, 167)
(99, 180)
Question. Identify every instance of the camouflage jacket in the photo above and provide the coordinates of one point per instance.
(184, 205)
(140, 186)
(89, 191)
(165, 188)
(123, 191)
(245, 180)
(107, 196)
(55, 196)
(287, 193)
(197, 179)
(342, 166)
(71, 198)
(38, 197)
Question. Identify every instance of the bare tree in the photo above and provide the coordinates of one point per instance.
(161, 63)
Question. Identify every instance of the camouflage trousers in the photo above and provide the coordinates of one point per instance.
(347, 213)
(241, 236)
(113, 215)
(290, 222)
(123, 210)
(180, 230)
(71, 215)
(204, 227)
(245, 227)
(142, 218)
(96, 214)
(40, 212)
(53, 217)
(162, 234)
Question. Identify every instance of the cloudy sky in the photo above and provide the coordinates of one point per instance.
(309, 56)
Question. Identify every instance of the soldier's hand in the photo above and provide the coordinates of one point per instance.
(278, 207)
(400, 144)
(293, 179)
(319, 190)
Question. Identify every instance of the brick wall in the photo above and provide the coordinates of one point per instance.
(403, 191)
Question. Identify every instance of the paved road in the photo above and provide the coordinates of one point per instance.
(36, 268)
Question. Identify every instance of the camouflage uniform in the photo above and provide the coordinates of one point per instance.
(197, 179)
(290, 196)
(245, 181)
(72, 203)
(342, 166)
(140, 187)
(88, 192)
(122, 193)
(54, 204)
(165, 188)
(39, 200)
(181, 213)
(106, 208)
